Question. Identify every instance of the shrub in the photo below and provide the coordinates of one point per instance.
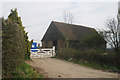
(13, 16)
(65, 53)
(89, 55)
(13, 46)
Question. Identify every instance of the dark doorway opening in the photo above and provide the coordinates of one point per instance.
(55, 44)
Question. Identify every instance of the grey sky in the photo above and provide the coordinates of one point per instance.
(36, 16)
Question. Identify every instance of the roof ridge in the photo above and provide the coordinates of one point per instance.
(73, 24)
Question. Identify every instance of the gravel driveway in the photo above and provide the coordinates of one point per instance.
(55, 68)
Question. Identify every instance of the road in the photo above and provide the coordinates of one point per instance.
(55, 68)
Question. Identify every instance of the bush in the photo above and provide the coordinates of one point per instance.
(13, 46)
(13, 16)
(88, 56)
(65, 53)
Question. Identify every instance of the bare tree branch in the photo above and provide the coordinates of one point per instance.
(112, 35)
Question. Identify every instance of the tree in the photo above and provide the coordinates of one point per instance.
(112, 37)
(14, 17)
(68, 17)
(13, 47)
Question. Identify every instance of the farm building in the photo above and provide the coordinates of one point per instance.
(62, 35)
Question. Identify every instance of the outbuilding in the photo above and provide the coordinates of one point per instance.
(62, 35)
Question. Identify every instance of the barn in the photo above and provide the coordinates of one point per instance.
(62, 35)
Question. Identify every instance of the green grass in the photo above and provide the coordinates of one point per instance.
(25, 71)
(26, 57)
(94, 65)
(98, 66)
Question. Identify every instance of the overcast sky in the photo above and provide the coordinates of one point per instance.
(37, 16)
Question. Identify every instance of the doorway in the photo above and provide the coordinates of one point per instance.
(55, 44)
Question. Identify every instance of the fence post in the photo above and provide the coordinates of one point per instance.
(53, 51)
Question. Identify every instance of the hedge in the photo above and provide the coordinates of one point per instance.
(13, 46)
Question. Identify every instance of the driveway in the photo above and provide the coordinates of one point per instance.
(55, 68)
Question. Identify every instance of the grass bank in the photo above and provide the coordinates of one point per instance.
(94, 58)
(24, 71)
(94, 65)
(98, 66)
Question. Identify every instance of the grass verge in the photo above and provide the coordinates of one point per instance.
(25, 71)
(97, 66)
(94, 65)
